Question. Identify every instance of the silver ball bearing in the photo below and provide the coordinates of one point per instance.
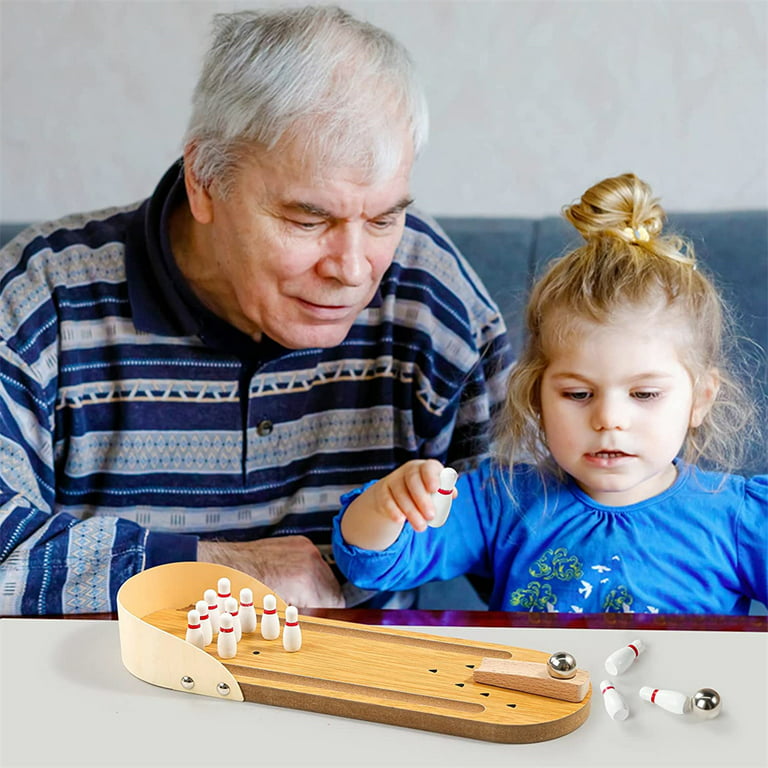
(561, 665)
(706, 703)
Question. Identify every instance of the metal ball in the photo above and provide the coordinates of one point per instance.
(706, 703)
(561, 665)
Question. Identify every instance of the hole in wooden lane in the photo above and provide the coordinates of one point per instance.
(433, 670)
(485, 693)
(253, 680)
(512, 706)
(256, 653)
(459, 685)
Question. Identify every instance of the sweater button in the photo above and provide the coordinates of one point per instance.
(264, 428)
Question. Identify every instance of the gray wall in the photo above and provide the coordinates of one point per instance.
(531, 102)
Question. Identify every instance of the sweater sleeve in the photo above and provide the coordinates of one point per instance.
(53, 562)
(482, 397)
(463, 352)
(462, 545)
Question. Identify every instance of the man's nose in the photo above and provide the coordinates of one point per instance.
(345, 258)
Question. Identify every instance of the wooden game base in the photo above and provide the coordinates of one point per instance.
(368, 673)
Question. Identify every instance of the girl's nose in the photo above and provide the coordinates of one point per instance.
(609, 412)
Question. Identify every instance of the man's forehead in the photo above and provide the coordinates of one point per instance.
(338, 192)
(333, 209)
(290, 180)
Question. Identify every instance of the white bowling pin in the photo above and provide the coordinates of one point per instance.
(621, 660)
(194, 632)
(223, 593)
(248, 618)
(270, 621)
(226, 644)
(205, 621)
(614, 704)
(233, 609)
(291, 629)
(443, 499)
(672, 701)
(213, 609)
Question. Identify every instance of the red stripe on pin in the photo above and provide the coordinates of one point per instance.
(608, 688)
(637, 653)
(193, 626)
(204, 618)
(444, 492)
(246, 605)
(291, 623)
(227, 629)
(653, 695)
(270, 612)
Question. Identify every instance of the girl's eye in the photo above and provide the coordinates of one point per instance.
(577, 395)
(645, 395)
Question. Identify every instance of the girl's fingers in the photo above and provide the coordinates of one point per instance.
(407, 492)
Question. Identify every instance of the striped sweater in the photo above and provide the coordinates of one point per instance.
(133, 421)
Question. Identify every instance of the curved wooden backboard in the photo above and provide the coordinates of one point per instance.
(164, 659)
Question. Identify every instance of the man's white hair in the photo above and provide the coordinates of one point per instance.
(340, 89)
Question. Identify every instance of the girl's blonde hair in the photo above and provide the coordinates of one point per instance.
(627, 263)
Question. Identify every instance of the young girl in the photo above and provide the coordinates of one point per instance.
(622, 389)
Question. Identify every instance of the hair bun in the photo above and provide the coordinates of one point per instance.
(617, 204)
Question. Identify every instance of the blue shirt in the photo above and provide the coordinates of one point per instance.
(701, 546)
(133, 420)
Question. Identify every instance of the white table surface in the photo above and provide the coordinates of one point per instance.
(67, 700)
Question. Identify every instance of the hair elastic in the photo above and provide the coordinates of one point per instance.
(636, 235)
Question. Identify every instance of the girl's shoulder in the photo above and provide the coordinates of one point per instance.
(756, 490)
(738, 489)
(502, 483)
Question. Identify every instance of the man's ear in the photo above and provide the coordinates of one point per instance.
(704, 394)
(198, 195)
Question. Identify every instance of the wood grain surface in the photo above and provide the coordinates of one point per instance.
(391, 676)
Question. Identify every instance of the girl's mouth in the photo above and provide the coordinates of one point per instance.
(607, 459)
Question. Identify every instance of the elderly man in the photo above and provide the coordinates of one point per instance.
(203, 374)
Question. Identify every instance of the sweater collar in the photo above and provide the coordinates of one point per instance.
(162, 301)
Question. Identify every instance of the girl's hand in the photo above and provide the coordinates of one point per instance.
(375, 518)
(406, 493)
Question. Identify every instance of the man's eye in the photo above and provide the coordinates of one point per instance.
(307, 226)
(383, 223)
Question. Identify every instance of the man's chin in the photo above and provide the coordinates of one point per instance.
(311, 337)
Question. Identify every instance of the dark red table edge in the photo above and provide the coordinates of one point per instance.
(637, 621)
